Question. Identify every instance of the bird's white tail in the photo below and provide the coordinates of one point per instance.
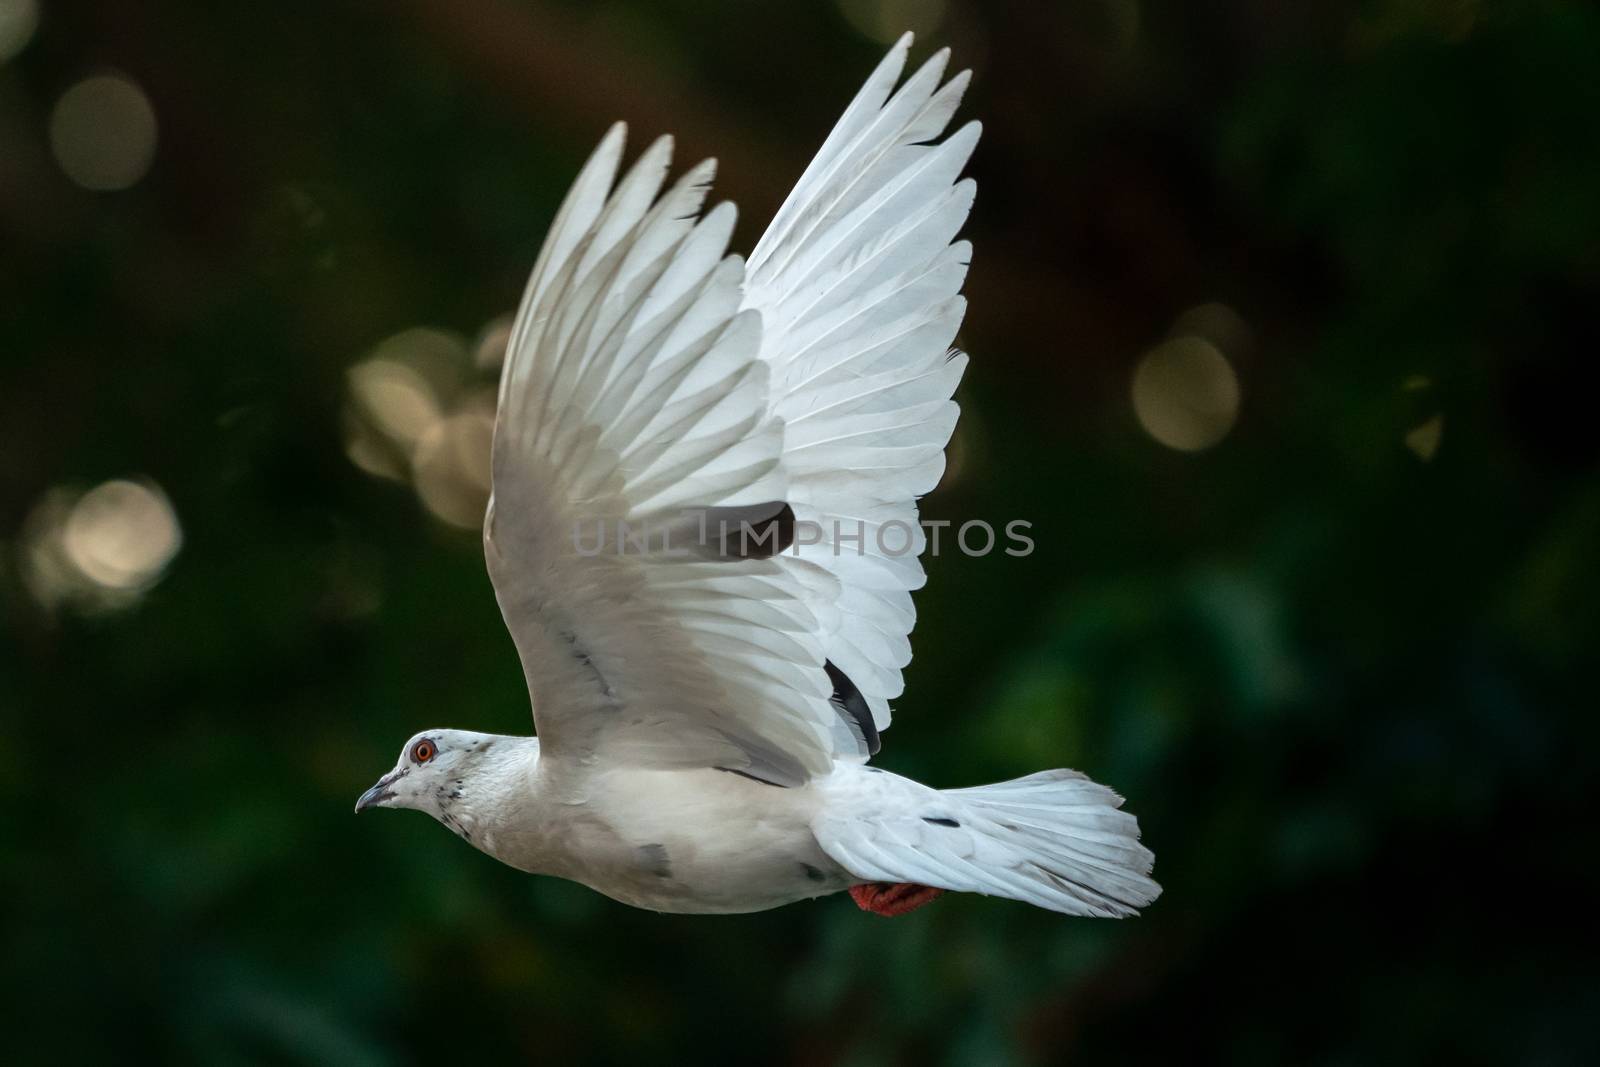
(1055, 839)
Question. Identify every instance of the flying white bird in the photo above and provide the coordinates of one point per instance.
(703, 537)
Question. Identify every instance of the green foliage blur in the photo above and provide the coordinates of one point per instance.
(1339, 663)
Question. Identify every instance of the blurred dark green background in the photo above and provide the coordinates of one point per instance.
(1341, 661)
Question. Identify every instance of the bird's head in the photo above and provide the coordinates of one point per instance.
(436, 769)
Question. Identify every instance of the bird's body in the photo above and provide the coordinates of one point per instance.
(703, 537)
(709, 841)
(638, 834)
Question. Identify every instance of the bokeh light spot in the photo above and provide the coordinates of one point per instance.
(103, 133)
(1424, 439)
(1185, 394)
(399, 400)
(100, 550)
(886, 20)
(420, 412)
(371, 450)
(18, 20)
(122, 534)
(436, 353)
(451, 467)
(490, 351)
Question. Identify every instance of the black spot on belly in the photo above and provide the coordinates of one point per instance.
(940, 820)
(812, 873)
(653, 858)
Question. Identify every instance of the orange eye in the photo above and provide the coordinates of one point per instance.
(423, 751)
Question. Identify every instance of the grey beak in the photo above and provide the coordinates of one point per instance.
(375, 796)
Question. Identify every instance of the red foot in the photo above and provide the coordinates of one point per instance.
(897, 898)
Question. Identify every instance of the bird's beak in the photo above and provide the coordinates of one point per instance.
(378, 794)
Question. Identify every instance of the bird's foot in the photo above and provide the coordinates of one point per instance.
(896, 898)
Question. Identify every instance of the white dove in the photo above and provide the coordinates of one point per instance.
(703, 536)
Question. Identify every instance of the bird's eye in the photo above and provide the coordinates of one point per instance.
(423, 751)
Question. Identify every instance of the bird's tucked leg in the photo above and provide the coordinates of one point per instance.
(892, 898)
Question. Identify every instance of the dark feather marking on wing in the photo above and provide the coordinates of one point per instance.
(847, 700)
(581, 654)
(754, 531)
(752, 777)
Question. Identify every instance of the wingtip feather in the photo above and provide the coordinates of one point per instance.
(610, 146)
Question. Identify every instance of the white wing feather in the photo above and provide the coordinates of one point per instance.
(858, 285)
(648, 376)
(633, 392)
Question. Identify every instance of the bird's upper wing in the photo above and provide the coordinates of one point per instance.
(633, 393)
(858, 284)
(648, 380)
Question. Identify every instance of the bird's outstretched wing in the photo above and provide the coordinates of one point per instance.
(632, 399)
(858, 285)
(642, 391)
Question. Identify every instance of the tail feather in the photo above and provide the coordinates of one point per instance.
(1054, 839)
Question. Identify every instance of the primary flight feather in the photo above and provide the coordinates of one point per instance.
(703, 538)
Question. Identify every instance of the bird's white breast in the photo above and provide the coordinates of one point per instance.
(703, 841)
